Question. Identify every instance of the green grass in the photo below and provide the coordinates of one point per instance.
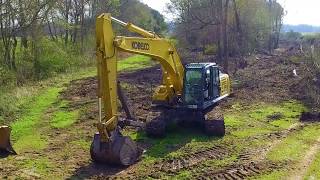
(26, 130)
(183, 175)
(234, 120)
(294, 147)
(275, 175)
(245, 133)
(262, 118)
(135, 63)
(176, 143)
(242, 122)
(64, 119)
(220, 163)
(31, 142)
(314, 169)
(36, 108)
(289, 112)
(40, 166)
(82, 143)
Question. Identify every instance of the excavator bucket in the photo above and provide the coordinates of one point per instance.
(5, 143)
(120, 150)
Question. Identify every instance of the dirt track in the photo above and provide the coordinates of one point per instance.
(139, 87)
(273, 84)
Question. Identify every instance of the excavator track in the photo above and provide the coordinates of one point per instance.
(214, 127)
(156, 123)
(214, 123)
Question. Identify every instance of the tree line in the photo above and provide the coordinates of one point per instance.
(42, 37)
(227, 27)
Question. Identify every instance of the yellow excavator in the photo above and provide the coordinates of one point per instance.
(186, 94)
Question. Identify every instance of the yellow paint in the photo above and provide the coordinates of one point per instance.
(151, 45)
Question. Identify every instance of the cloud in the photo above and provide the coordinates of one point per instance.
(298, 11)
(301, 11)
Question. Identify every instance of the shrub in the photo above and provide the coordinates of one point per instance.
(7, 107)
(53, 58)
(7, 77)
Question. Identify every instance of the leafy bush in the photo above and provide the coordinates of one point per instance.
(7, 107)
(7, 77)
(53, 58)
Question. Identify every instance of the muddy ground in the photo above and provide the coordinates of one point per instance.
(265, 79)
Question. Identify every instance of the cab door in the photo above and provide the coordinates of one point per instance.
(215, 82)
(207, 89)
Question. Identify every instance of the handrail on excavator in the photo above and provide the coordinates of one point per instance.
(133, 28)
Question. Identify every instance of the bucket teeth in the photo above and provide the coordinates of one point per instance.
(5, 144)
(120, 150)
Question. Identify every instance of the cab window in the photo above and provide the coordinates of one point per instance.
(193, 87)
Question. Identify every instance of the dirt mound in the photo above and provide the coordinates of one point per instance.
(138, 87)
(81, 89)
(265, 78)
(270, 79)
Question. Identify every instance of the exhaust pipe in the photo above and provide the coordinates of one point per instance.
(5, 143)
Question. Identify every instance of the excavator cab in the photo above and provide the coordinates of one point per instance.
(204, 85)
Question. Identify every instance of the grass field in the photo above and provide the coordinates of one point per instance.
(52, 136)
(39, 110)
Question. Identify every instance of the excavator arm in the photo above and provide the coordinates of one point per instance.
(150, 44)
(109, 145)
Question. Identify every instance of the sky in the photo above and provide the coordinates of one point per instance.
(297, 11)
(159, 5)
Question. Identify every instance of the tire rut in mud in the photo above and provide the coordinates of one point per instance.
(193, 159)
(275, 138)
(240, 171)
(249, 164)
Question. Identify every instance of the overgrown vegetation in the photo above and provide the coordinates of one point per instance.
(304, 48)
(235, 27)
(38, 110)
(40, 39)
